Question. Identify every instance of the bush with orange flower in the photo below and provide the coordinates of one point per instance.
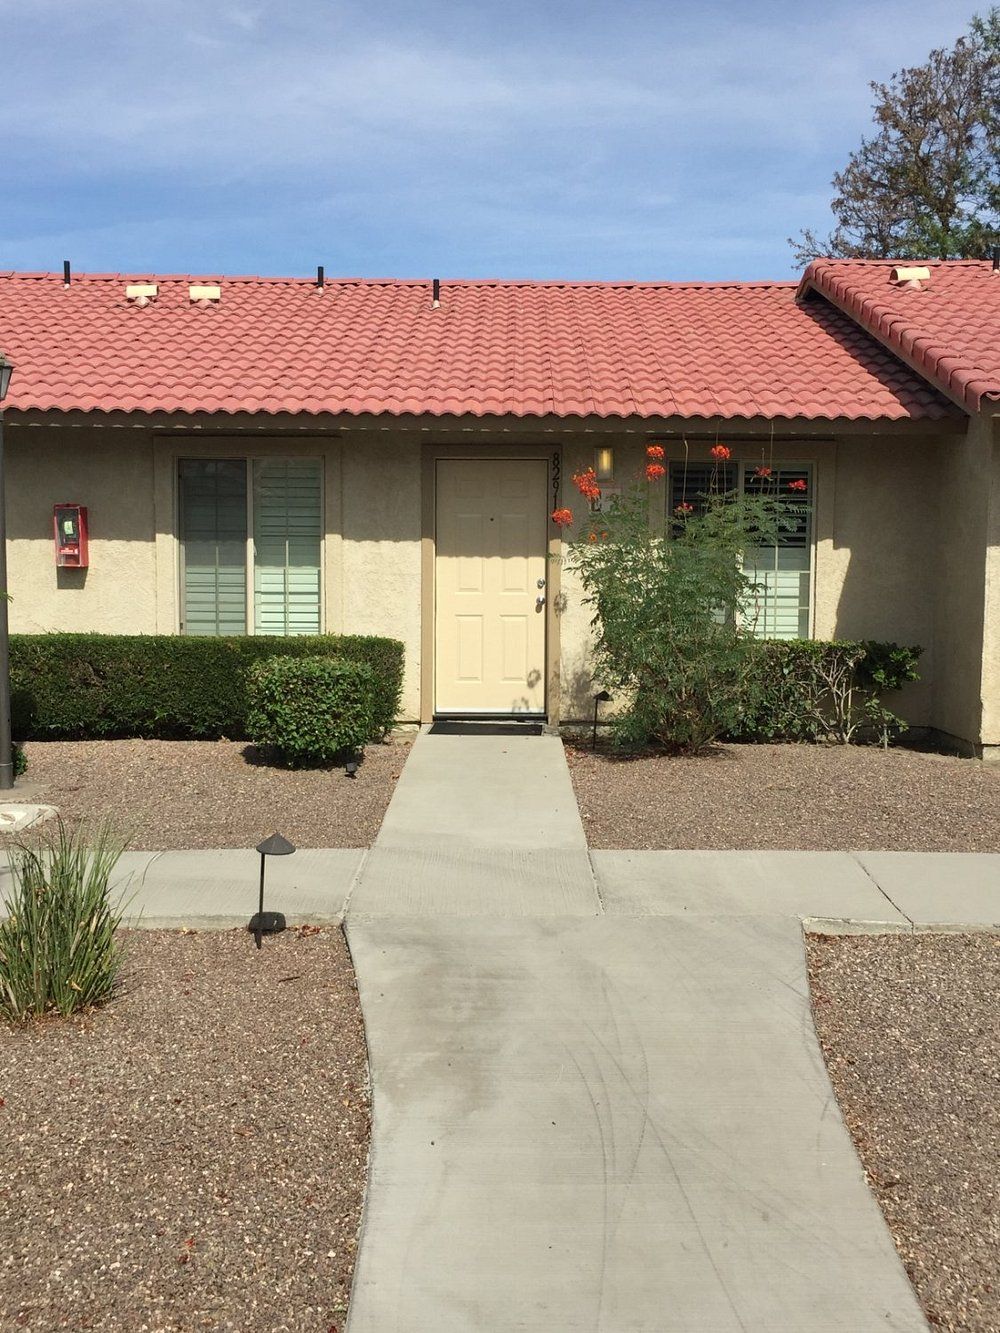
(665, 595)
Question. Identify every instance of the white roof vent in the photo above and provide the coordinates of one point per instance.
(141, 293)
(910, 278)
(210, 291)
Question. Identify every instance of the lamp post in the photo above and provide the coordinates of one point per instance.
(268, 923)
(601, 697)
(6, 744)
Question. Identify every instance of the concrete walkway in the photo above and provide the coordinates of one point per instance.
(608, 1124)
(609, 1111)
(480, 826)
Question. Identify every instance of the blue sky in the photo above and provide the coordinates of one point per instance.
(627, 139)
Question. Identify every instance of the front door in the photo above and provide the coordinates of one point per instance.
(490, 577)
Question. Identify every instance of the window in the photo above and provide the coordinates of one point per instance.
(779, 606)
(251, 526)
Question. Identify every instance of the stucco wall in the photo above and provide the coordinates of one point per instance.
(380, 553)
(963, 486)
(877, 562)
(900, 526)
(987, 431)
(110, 471)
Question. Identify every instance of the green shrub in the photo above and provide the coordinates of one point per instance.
(312, 710)
(58, 949)
(91, 686)
(20, 761)
(668, 638)
(807, 690)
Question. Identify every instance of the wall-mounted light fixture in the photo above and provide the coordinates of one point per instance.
(604, 463)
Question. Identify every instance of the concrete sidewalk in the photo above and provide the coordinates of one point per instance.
(480, 826)
(218, 889)
(900, 890)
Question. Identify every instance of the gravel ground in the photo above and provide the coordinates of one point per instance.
(184, 794)
(910, 1026)
(193, 1155)
(789, 797)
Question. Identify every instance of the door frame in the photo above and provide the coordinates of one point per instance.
(430, 454)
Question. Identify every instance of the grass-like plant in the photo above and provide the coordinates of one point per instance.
(58, 946)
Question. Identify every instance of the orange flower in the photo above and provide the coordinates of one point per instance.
(721, 451)
(654, 471)
(797, 485)
(762, 472)
(586, 483)
(654, 450)
(591, 536)
(562, 518)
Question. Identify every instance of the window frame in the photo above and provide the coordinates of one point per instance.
(248, 460)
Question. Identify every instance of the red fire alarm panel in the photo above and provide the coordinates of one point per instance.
(70, 525)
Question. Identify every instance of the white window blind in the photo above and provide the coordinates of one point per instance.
(779, 604)
(287, 541)
(213, 522)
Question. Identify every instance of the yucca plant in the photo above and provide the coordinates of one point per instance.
(58, 949)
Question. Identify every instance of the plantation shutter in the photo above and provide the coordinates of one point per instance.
(779, 604)
(288, 522)
(691, 482)
(213, 526)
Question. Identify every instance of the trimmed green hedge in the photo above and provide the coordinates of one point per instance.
(161, 686)
(811, 689)
(312, 710)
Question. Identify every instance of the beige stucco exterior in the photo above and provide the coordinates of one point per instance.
(906, 533)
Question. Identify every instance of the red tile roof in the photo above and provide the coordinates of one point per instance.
(948, 329)
(522, 348)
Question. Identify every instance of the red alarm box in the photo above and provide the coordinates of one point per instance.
(69, 524)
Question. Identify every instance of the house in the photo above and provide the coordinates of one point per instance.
(284, 456)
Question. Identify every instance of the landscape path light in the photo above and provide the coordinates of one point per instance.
(601, 697)
(6, 740)
(268, 923)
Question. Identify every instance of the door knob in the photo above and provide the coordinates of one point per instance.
(539, 601)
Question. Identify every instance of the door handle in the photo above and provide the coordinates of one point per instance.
(539, 601)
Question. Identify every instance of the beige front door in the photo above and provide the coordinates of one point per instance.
(490, 590)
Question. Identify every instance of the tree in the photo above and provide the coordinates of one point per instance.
(927, 183)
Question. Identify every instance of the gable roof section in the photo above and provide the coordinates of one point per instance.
(620, 350)
(948, 329)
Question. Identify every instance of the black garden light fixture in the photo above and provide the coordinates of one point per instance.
(6, 741)
(268, 923)
(601, 697)
(351, 768)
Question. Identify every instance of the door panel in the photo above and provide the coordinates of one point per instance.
(492, 530)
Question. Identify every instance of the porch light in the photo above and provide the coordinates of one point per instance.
(6, 370)
(268, 923)
(604, 463)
